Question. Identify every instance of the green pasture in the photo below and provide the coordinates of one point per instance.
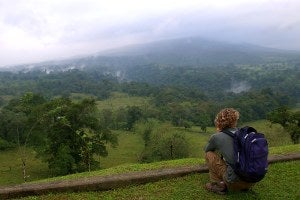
(127, 153)
(279, 183)
(80, 96)
(128, 150)
(274, 133)
(121, 100)
(130, 167)
(11, 167)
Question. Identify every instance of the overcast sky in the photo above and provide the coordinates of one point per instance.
(39, 30)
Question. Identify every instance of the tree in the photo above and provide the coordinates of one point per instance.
(146, 128)
(281, 116)
(289, 120)
(107, 118)
(204, 121)
(134, 113)
(163, 144)
(120, 118)
(293, 127)
(74, 132)
(64, 162)
(174, 146)
(21, 121)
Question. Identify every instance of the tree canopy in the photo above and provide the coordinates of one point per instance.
(64, 133)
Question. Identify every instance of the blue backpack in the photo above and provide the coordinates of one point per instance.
(250, 154)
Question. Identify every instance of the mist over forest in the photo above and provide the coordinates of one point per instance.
(186, 69)
(79, 80)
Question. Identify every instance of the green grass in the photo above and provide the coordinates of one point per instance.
(274, 133)
(80, 96)
(188, 187)
(158, 165)
(131, 145)
(284, 149)
(121, 100)
(127, 153)
(133, 167)
(11, 167)
(197, 139)
(281, 182)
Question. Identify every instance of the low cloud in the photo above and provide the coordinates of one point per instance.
(238, 87)
(33, 30)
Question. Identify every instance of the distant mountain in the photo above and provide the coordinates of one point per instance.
(212, 67)
(198, 51)
(190, 51)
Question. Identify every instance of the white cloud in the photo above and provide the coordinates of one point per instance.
(34, 30)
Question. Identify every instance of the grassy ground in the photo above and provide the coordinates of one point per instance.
(119, 100)
(11, 167)
(280, 183)
(274, 133)
(124, 168)
(131, 145)
(128, 151)
(79, 96)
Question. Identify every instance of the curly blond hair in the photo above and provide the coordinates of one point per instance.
(226, 118)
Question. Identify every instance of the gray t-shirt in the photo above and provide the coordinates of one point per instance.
(223, 144)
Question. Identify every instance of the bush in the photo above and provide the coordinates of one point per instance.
(174, 147)
(63, 163)
(146, 128)
(163, 144)
(4, 145)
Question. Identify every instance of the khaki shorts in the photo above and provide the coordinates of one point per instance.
(217, 171)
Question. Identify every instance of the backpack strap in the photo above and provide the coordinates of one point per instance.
(228, 133)
(249, 129)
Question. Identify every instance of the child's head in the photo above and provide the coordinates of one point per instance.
(226, 118)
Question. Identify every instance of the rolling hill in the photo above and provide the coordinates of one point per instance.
(191, 51)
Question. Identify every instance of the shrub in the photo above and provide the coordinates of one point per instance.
(164, 144)
(4, 145)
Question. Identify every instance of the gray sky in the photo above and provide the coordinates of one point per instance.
(39, 30)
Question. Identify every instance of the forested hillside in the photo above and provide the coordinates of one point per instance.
(254, 89)
(56, 107)
(189, 51)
